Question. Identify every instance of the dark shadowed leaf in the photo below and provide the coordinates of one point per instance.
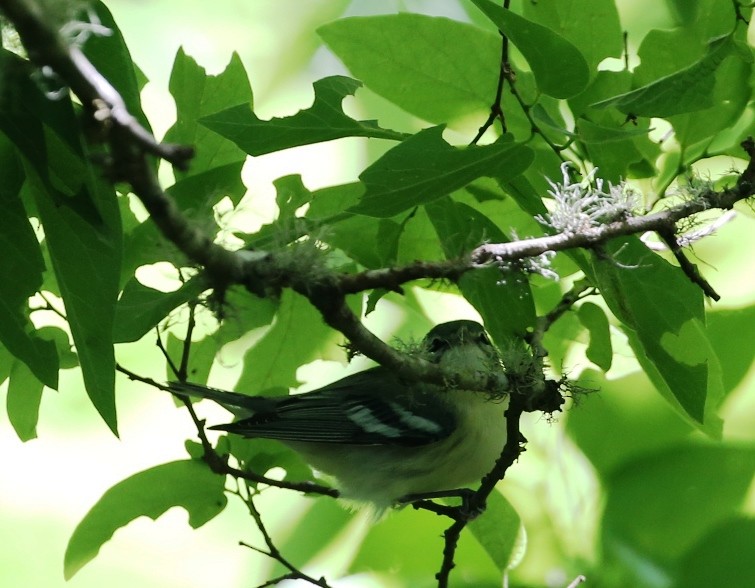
(79, 212)
(460, 228)
(323, 121)
(688, 90)
(721, 557)
(702, 485)
(425, 167)
(560, 69)
(110, 55)
(140, 308)
(21, 269)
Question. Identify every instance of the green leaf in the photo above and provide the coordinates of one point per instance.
(435, 68)
(24, 396)
(110, 56)
(560, 69)
(656, 301)
(323, 121)
(591, 25)
(196, 194)
(188, 484)
(80, 216)
(599, 351)
(460, 228)
(243, 314)
(297, 336)
(729, 97)
(140, 308)
(613, 144)
(591, 133)
(688, 90)
(6, 362)
(730, 333)
(198, 95)
(354, 234)
(498, 530)
(322, 524)
(701, 486)
(623, 420)
(21, 269)
(425, 167)
(86, 259)
(201, 357)
(722, 557)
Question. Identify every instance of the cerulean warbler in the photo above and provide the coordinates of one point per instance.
(384, 438)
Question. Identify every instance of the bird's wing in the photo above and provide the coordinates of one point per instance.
(361, 409)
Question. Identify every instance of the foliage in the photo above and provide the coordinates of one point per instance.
(672, 483)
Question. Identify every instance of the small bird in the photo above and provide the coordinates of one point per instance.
(384, 438)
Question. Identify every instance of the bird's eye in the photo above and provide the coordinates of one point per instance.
(438, 344)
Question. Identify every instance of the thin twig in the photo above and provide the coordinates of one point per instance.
(50, 306)
(169, 360)
(183, 368)
(504, 72)
(689, 269)
(217, 463)
(274, 553)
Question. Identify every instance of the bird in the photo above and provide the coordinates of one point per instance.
(383, 438)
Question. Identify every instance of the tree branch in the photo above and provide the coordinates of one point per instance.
(46, 47)
(264, 273)
(664, 220)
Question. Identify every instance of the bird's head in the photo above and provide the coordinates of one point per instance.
(461, 346)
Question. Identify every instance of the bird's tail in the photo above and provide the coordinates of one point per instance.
(239, 404)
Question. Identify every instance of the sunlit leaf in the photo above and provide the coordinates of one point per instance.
(297, 336)
(657, 302)
(591, 25)
(188, 484)
(198, 95)
(399, 57)
(24, 396)
(497, 530)
(599, 351)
